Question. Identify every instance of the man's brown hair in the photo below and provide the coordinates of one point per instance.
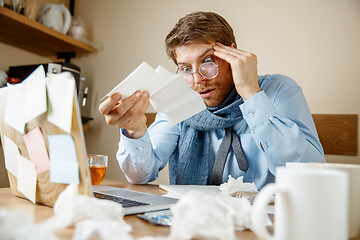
(199, 27)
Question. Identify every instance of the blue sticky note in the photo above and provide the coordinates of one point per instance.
(64, 167)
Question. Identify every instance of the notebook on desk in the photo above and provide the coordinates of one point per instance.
(47, 190)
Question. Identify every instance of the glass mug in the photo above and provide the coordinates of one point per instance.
(97, 165)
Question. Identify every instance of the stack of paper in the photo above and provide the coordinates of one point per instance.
(169, 93)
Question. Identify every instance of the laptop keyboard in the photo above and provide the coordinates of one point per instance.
(123, 201)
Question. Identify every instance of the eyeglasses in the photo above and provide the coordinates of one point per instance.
(208, 70)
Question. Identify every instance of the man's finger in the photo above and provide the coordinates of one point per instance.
(138, 109)
(109, 104)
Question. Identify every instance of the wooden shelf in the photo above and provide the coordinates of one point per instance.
(27, 34)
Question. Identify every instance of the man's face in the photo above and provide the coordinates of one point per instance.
(215, 90)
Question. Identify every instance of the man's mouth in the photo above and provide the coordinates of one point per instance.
(207, 92)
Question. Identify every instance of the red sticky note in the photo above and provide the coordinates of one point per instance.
(36, 147)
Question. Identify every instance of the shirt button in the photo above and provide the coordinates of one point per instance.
(250, 115)
(139, 148)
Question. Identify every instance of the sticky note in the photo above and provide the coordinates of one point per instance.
(11, 154)
(64, 167)
(14, 114)
(35, 94)
(61, 92)
(26, 100)
(27, 178)
(36, 147)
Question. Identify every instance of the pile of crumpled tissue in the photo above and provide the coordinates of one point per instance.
(196, 215)
(92, 218)
(201, 216)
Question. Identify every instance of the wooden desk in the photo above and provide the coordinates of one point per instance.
(140, 227)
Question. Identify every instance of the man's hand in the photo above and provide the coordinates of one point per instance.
(244, 69)
(128, 114)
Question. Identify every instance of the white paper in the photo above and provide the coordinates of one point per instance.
(61, 90)
(135, 81)
(26, 179)
(35, 94)
(26, 100)
(14, 114)
(169, 93)
(11, 154)
(64, 166)
(181, 190)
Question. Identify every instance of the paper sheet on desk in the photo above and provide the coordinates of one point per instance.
(181, 190)
(169, 93)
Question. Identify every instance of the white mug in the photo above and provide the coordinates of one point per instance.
(310, 204)
(354, 192)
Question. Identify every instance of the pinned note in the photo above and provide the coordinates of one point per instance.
(64, 167)
(61, 92)
(35, 145)
(26, 179)
(169, 93)
(14, 114)
(26, 100)
(35, 94)
(11, 154)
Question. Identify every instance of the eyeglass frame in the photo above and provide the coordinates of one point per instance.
(198, 71)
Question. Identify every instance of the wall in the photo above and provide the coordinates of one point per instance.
(314, 42)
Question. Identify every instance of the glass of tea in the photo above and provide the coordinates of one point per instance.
(97, 164)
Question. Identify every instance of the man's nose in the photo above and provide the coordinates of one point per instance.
(198, 78)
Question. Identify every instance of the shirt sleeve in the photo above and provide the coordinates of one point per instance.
(282, 126)
(142, 159)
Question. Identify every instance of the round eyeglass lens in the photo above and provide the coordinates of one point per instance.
(208, 70)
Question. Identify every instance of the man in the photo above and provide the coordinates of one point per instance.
(252, 124)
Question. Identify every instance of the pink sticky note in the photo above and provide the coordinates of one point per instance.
(35, 145)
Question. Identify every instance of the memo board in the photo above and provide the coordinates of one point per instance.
(47, 192)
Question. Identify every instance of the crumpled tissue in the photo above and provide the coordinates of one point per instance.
(20, 225)
(202, 216)
(237, 188)
(105, 229)
(93, 217)
(237, 185)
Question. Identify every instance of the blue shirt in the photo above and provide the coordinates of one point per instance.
(277, 127)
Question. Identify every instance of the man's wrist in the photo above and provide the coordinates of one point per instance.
(247, 95)
(135, 134)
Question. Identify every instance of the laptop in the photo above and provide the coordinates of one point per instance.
(133, 202)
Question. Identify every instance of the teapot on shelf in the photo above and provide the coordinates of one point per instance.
(55, 16)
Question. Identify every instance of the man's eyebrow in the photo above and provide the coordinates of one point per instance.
(200, 56)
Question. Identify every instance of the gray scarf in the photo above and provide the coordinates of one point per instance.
(189, 164)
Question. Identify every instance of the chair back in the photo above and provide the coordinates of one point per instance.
(338, 133)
